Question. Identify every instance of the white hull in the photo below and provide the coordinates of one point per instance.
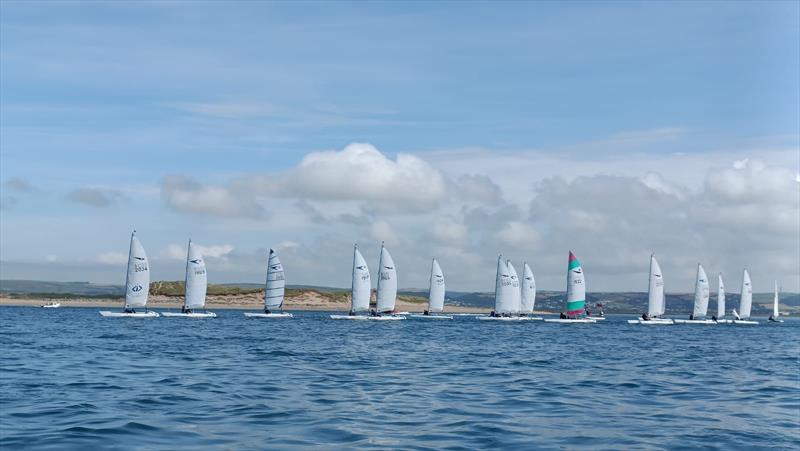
(695, 321)
(386, 318)
(652, 322)
(268, 315)
(570, 321)
(108, 314)
(598, 318)
(56, 305)
(500, 318)
(189, 315)
(745, 322)
(430, 316)
(350, 317)
(776, 321)
(467, 314)
(724, 321)
(401, 313)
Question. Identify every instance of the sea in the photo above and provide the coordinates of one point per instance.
(71, 379)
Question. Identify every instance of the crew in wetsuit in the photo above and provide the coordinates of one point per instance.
(691, 316)
(562, 315)
(426, 313)
(351, 313)
(645, 317)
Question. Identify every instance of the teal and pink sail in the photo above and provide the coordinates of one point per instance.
(576, 288)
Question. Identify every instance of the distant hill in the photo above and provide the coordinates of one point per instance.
(614, 302)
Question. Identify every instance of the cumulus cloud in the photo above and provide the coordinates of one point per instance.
(95, 197)
(21, 186)
(112, 258)
(186, 195)
(178, 252)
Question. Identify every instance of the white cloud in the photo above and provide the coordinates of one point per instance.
(95, 197)
(112, 258)
(520, 235)
(186, 195)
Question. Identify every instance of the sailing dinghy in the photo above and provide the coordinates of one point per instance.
(137, 284)
(655, 298)
(506, 295)
(195, 286)
(576, 295)
(386, 291)
(720, 318)
(435, 295)
(360, 289)
(701, 296)
(745, 302)
(776, 315)
(275, 290)
(528, 294)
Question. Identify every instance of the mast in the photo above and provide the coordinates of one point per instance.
(186, 276)
(353, 281)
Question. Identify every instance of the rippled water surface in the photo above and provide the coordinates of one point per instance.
(73, 379)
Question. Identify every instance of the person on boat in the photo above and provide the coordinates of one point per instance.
(771, 318)
(426, 313)
(373, 312)
(691, 316)
(351, 313)
(645, 317)
(714, 317)
(128, 310)
(562, 315)
(188, 311)
(492, 314)
(267, 311)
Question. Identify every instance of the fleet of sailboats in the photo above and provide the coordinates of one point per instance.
(515, 297)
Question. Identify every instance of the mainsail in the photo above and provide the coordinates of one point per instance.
(436, 292)
(362, 286)
(746, 301)
(775, 299)
(528, 295)
(504, 301)
(276, 282)
(655, 290)
(196, 282)
(720, 297)
(137, 282)
(387, 282)
(701, 290)
(516, 294)
(576, 288)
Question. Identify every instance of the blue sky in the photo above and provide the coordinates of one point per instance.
(101, 102)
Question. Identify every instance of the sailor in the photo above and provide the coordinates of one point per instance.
(771, 318)
(562, 315)
(351, 313)
(714, 317)
(373, 312)
(645, 317)
(492, 314)
(691, 316)
(426, 313)
(266, 310)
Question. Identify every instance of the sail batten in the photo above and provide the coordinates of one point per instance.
(387, 282)
(437, 288)
(276, 282)
(196, 283)
(528, 286)
(576, 288)
(701, 293)
(362, 285)
(137, 284)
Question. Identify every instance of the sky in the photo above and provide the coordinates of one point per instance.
(455, 130)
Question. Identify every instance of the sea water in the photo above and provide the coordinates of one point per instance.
(71, 379)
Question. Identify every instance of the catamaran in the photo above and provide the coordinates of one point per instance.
(701, 296)
(745, 302)
(656, 304)
(435, 295)
(386, 291)
(720, 318)
(195, 286)
(137, 284)
(576, 295)
(506, 303)
(51, 304)
(528, 293)
(775, 317)
(274, 290)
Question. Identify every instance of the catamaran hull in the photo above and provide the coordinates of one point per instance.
(189, 315)
(107, 314)
(386, 318)
(695, 321)
(500, 318)
(51, 306)
(570, 321)
(651, 322)
(724, 321)
(776, 321)
(268, 315)
(350, 317)
(430, 316)
(745, 322)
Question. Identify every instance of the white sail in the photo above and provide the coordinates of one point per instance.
(576, 287)
(362, 286)
(196, 279)
(516, 294)
(746, 301)
(504, 301)
(701, 293)
(775, 299)
(137, 283)
(528, 295)
(437, 290)
(655, 290)
(720, 297)
(276, 282)
(387, 282)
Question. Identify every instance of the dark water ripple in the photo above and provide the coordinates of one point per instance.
(70, 379)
